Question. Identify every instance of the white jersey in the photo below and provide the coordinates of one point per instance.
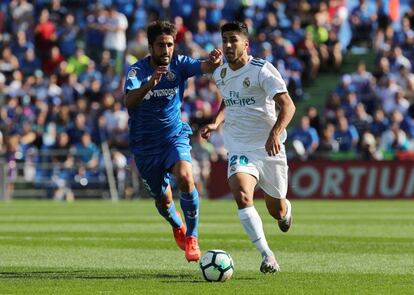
(250, 111)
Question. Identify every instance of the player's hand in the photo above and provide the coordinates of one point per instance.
(273, 145)
(216, 57)
(157, 75)
(206, 130)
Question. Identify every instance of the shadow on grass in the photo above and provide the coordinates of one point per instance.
(102, 275)
(96, 275)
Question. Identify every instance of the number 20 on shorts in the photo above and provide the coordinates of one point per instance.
(241, 160)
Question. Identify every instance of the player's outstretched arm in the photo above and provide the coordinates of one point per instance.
(218, 119)
(215, 59)
(287, 110)
(136, 96)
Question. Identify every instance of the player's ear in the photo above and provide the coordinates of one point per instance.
(246, 42)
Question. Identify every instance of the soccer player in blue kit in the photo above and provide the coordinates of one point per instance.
(159, 140)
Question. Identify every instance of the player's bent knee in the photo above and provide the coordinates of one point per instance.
(163, 203)
(185, 182)
(243, 200)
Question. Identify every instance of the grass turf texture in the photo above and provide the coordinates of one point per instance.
(97, 247)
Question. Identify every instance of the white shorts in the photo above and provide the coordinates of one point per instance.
(271, 172)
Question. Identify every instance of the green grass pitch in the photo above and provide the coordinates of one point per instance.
(99, 247)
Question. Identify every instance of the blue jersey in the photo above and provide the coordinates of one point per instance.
(156, 121)
(308, 137)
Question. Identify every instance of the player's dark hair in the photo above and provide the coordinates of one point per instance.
(235, 26)
(158, 28)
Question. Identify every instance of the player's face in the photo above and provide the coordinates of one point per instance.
(162, 50)
(234, 46)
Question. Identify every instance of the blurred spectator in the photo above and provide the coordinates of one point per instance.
(71, 89)
(394, 139)
(334, 49)
(22, 15)
(305, 139)
(397, 102)
(308, 53)
(217, 141)
(213, 13)
(314, 119)
(319, 35)
(8, 63)
(410, 13)
(362, 19)
(67, 35)
(404, 122)
(77, 63)
(202, 36)
(87, 159)
(361, 119)
(115, 36)
(332, 104)
(404, 37)
(94, 31)
(63, 160)
(397, 59)
(21, 45)
(362, 81)
(349, 103)
(385, 91)
(90, 74)
(346, 135)
(379, 124)
(185, 9)
(327, 144)
(120, 164)
(138, 46)
(29, 63)
(94, 92)
(51, 65)
(77, 129)
(27, 140)
(116, 123)
(405, 79)
(382, 69)
(202, 151)
(57, 12)
(295, 33)
(45, 35)
(369, 147)
(87, 152)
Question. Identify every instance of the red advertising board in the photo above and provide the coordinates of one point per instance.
(336, 180)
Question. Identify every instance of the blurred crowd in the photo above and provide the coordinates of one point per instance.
(370, 115)
(62, 65)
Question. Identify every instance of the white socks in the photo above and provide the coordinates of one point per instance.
(253, 226)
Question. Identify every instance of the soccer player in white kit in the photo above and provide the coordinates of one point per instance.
(256, 109)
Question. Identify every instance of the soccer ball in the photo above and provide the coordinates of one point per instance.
(216, 266)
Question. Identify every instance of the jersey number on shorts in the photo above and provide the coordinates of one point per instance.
(243, 160)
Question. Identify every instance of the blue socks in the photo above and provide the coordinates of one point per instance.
(170, 215)
(189, 204)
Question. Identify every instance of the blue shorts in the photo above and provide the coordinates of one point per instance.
(155, 169)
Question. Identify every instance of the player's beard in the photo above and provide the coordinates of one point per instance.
(162, 60)
(234, 57)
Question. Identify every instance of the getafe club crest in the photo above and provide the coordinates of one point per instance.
(223, 73)
(132, 73)
(246, 82)
(170, 76)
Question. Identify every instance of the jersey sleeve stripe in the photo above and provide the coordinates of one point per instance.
(258, 60)
(257, 64)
